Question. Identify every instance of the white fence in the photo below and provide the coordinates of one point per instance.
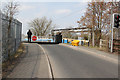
(103, 43)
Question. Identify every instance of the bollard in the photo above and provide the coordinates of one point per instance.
(88, 44)
(63, 40)
(82, 43)
(67, 40)
(27, 49)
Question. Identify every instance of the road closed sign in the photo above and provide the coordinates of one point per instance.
(34, 38)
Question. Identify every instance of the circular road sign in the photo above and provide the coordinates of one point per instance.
(34, 38)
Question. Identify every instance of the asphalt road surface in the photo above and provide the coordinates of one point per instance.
(69, 63)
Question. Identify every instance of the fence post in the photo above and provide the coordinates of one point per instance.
(100, 43)
(118, 46)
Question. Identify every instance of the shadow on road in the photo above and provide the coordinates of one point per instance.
(42, 42)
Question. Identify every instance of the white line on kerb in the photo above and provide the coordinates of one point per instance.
(50, 71)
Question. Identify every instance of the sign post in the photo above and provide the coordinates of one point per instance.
(112, 33)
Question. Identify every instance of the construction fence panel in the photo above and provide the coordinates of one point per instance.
(14, 36)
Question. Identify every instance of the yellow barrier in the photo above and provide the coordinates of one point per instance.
(75, 43)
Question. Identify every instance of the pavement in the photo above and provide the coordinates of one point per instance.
(33, 65)
(74, 62)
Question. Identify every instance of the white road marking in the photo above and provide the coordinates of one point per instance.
(50, 71)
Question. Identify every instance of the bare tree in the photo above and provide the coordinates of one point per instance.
(10, 10)
(66, 34)
(41, 26)
(98, 19)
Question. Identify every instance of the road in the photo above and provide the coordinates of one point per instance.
(69, 63)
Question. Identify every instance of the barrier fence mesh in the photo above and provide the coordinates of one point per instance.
(14, 37)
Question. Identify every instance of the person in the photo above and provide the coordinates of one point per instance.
(29, 33)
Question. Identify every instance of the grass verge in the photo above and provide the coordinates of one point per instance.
(97, 48)
(9, 65)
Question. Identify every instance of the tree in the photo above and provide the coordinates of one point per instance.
(41, 26)
(10, 10)
(66, 34)
(98, 18)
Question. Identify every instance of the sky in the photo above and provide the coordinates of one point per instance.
(63, 14)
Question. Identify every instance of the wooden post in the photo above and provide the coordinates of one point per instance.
(100, 43)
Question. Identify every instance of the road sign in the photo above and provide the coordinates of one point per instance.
(34, 38)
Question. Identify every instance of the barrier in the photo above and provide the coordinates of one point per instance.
(103, 43)
(14, 36)
(81, 42)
